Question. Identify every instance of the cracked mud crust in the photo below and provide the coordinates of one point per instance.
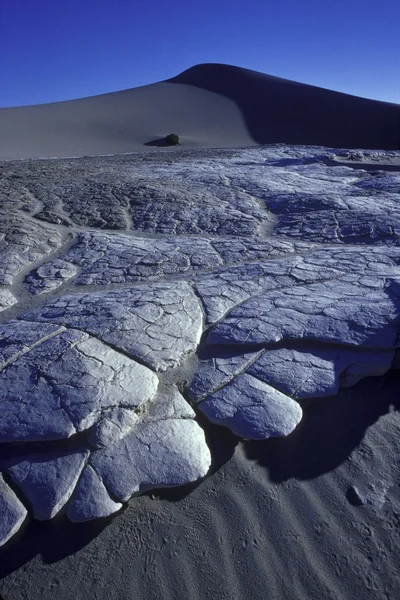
(136, 291)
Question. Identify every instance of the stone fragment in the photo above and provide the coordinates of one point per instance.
(90, 499)
(7, 299)
(372, 493)
(252, 409)
(47, 480)
(50, 276)
(13, 513)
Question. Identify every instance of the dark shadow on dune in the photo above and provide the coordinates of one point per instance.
(281, 111)
(159, 143)
(330, 430)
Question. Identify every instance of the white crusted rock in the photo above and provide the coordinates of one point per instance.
(163, 453)
(114, 426)
(216, 372)
(13, 512)
(18, 337)
(168, 404)
(50, 276)
(252, 409)
(90, 499)
(307, 372)
(64, 383)
(115, 258)
(165, 448)
(295, 263)
(106, 258)
(317, 372)
(351, 311)
(159, 324)
(47, 481)
(221, 290)
(7, 299)
(22, 243)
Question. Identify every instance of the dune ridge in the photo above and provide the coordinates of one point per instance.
(209, 105)
(278, 110)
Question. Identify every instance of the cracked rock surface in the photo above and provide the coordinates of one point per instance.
(157, 324)
(139, 290)
(64, 383)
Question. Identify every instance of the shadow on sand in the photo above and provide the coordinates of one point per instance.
(160, 143)
(330, 430)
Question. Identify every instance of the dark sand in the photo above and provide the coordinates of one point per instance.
(208, 106)
(275, 520)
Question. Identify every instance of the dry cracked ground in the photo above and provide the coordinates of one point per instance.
(137, 291)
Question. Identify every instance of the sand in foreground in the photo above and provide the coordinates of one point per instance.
(275, 520)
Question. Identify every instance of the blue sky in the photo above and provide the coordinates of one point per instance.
(60, 49)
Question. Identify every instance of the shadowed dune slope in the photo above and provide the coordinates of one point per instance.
(208, 105)
(279, 110)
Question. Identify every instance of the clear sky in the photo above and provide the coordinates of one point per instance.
(60, 49)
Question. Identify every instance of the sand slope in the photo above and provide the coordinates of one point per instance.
(208, 105)
(121, 122)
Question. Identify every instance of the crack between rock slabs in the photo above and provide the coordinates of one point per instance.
(264, 293)
(106, 343)
(35, 345)
(223, 384)
(309, 344)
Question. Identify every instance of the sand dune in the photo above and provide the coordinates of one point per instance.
(208, 105)
(121, 122)
(278, 110)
